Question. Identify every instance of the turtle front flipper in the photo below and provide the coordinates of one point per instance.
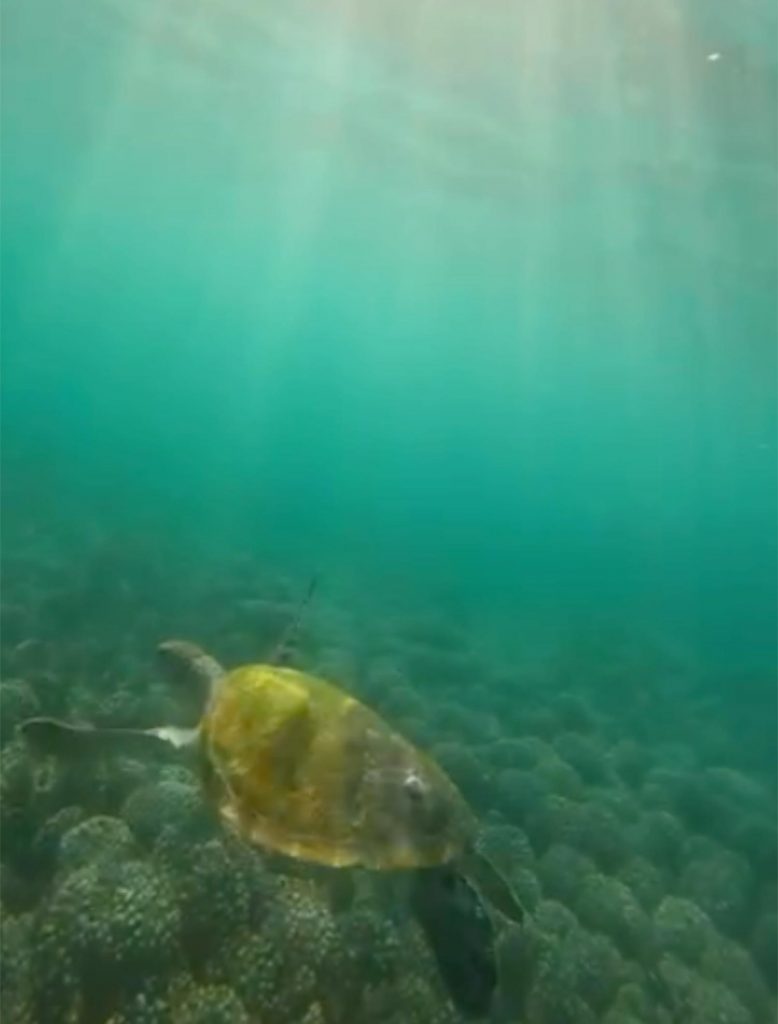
(480, 871)
(51, 736)
(460, 933)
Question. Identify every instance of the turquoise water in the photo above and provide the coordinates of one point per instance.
(486, 300)
(469, 309)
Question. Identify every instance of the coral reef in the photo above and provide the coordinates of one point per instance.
(563, 871)
(166, 804)
(96, 839)
(683, 929)
(647, 867)
(17, 702)
(608, 906)
(723, 885)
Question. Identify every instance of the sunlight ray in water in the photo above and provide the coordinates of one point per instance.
(466, 313)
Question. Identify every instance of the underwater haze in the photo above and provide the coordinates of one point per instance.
(470, 310)
(485, 297)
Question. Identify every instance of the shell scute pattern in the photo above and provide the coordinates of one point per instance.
(307, 770)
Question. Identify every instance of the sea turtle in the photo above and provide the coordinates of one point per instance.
(296, 765)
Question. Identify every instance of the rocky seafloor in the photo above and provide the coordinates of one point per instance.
(629, 812)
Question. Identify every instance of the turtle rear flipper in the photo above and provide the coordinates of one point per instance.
(191, 670)
(460, 933)
(51, 736)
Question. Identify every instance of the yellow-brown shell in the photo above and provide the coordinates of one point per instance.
(303, 768)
